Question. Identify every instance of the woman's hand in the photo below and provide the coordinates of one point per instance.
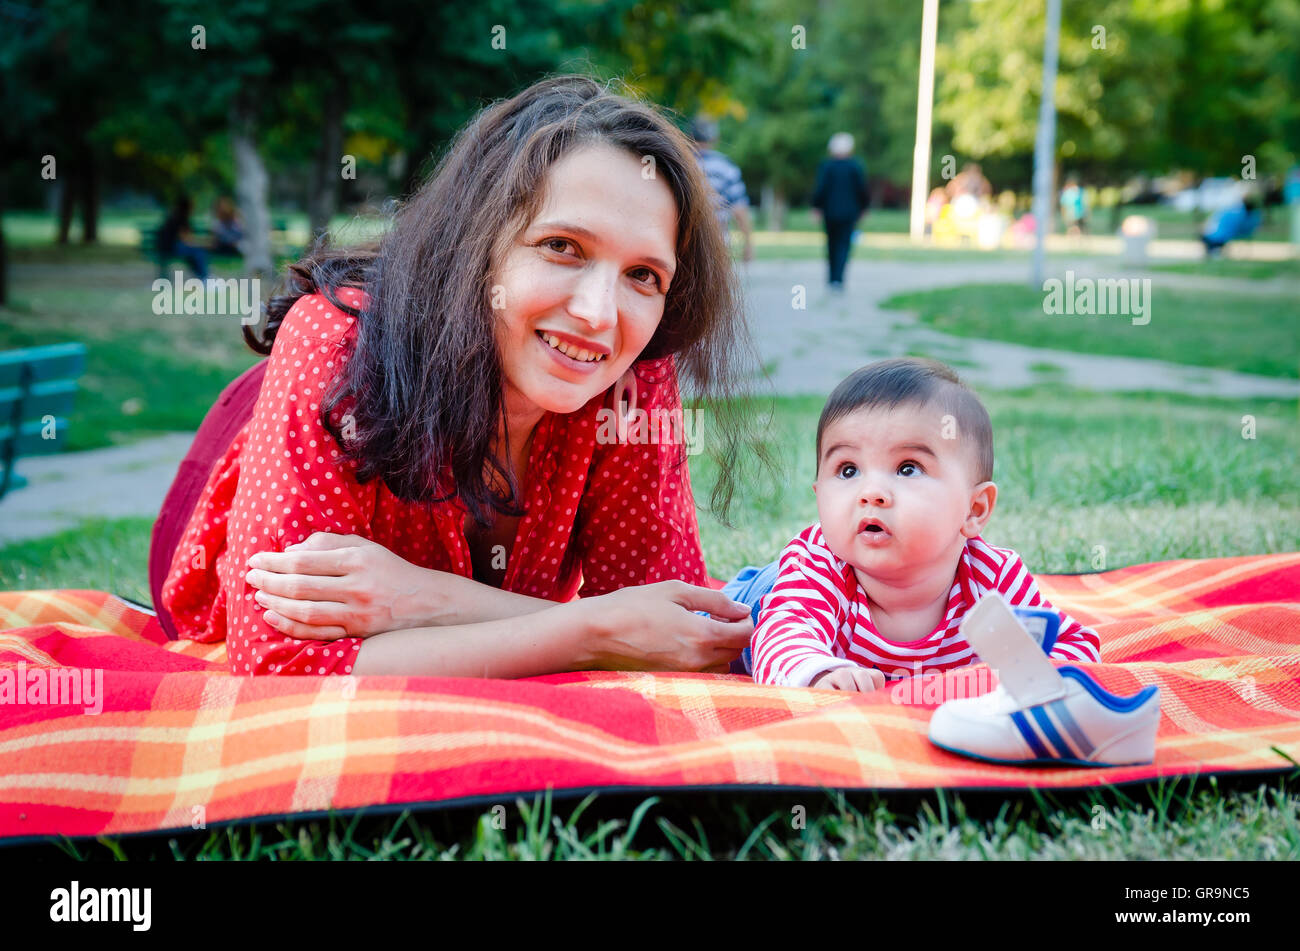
(332, 586)
(653, 627)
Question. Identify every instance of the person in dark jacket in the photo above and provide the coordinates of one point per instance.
(176, 240)
(840, 198)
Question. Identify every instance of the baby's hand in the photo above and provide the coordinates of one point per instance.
(861, 679)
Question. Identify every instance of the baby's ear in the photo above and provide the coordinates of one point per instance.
(984, 498)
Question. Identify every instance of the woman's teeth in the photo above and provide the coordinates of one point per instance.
(575, 353)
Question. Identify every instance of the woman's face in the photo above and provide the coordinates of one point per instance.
(580, 292)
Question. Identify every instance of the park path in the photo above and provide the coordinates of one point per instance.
(807, 351)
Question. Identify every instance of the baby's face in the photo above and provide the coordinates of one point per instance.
(896, 499)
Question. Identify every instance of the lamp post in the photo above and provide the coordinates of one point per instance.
(1045, 142)
(924, 107)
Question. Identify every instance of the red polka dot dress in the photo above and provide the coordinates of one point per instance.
(601, 514)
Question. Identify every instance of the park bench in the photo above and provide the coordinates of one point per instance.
(37, 389)
(149, 244)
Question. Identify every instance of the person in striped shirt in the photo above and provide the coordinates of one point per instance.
(730, 198)
(876, 589)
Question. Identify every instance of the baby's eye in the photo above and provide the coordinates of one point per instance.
(847, 470)
(907, 468)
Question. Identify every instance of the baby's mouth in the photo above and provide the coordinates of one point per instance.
(872, 527)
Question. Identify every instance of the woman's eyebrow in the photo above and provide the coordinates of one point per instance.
(592, 236)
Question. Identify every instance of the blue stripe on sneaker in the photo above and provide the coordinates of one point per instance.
(1030, 736)
(1049, 730)
(1072, 727)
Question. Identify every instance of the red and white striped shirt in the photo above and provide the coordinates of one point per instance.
(816, 616)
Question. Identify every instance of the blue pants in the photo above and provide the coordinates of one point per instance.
(194, 256)
(748, 587)
(839, 240)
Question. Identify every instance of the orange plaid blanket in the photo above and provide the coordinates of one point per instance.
(108, 728)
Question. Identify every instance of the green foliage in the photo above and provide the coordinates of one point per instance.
(1142, 84)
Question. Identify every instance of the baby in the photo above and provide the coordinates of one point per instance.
(876, 589)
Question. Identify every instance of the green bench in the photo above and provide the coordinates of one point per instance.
(37, 388)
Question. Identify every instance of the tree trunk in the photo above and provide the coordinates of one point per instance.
(4, 251)
(326, 173)
(774, 206)
(67, 202)
(251, 185)
(89, 182)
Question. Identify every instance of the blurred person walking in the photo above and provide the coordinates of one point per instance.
(840, 199)
(731, 200)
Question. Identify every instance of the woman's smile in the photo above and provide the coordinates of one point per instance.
(573, 352)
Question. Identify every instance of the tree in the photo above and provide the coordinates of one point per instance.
(1143, 84)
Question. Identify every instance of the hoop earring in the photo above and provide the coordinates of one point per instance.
(626, 386)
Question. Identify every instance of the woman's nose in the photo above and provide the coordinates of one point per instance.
(594, 300)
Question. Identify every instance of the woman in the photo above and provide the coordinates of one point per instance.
(431, 421)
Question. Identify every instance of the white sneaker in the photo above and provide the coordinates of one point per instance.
(1085, 725)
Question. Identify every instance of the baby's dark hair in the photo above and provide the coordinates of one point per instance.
(913, 381)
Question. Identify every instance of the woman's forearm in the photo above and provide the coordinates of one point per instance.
(553, 640)
(451, 599)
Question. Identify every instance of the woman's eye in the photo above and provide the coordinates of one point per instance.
(848, 470)
(551, 243)
(651, 277)
(903, 469)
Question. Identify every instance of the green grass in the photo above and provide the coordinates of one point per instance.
(1176, 819)
(1230, 267)
(38, 230)
(1259, 333)
(98, 555)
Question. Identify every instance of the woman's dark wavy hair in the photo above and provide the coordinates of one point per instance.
(424, 383)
